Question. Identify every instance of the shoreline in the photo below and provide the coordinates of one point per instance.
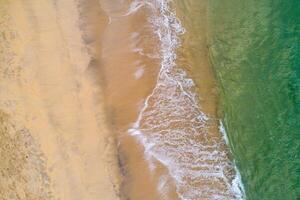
(203, 73)
(131, 74)
(189, 143)
(80, 72)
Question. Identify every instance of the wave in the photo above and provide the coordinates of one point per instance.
(171, 125)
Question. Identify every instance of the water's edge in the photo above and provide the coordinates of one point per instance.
(174, 89)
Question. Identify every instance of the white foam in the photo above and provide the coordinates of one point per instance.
(134, 7)
(139, 72)
(109, 19)
(237, 184)
(223, 132)
(171, 125)
(134, 35)
(163, 187)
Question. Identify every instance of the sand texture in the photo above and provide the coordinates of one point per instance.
(55, 142)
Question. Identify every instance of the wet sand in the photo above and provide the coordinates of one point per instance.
(57, 141)
(131, 65)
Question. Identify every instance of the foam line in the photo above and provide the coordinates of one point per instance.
(172, 127)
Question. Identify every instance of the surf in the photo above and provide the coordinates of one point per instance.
(171, 125)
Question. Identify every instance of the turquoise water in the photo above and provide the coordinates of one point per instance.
(255, 50)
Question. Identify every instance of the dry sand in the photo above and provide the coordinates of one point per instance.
(55, 142)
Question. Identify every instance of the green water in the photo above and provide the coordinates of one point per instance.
(255, 50)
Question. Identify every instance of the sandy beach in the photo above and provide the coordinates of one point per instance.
(69, 88)
(75, 76)
(57, 143)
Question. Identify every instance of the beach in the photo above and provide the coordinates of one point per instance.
(110, 99)
(50, 94)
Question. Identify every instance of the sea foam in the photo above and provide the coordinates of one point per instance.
(171, 126)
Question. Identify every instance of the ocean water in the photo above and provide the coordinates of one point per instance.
(255, 51)
(171, 125)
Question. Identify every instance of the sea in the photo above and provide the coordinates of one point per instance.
(223, 116)
(254, 47)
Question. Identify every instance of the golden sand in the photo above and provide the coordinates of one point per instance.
(49, 93)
